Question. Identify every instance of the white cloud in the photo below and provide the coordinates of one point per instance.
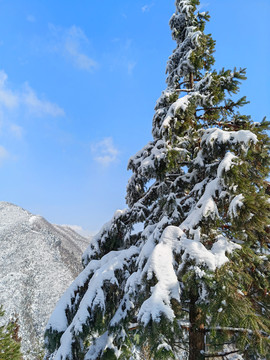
(73, 44)
(37, 106)
(202, 6)
(105, 152)
(4, 154)
(16, 131)
(81, 60)
(25, 98)
(80, 230)
(8, 98)
(131, 65)
(122, 57)
(31, 18)
(147, 7)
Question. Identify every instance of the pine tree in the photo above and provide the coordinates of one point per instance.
(9, 340)
(183, 272)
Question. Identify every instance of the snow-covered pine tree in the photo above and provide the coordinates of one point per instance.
(182, 273)
(9, 341)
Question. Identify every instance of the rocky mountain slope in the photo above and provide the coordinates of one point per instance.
(38, 261)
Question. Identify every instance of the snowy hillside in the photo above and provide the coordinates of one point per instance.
(38, 261)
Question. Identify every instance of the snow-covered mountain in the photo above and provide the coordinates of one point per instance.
(38, 261)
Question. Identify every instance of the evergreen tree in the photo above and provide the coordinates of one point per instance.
(183, 272)
(9, 341)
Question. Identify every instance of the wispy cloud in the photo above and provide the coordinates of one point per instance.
(8, 98)
(4, 154)
(130, 66)
(26, 99)
(31, 18)
(147, 7)
(104, 152)
(73, 44)
(122, 56)
(16, 131)
(202, 6)
(39, 107)
(80, 230)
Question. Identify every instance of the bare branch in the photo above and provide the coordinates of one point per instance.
(220, 354)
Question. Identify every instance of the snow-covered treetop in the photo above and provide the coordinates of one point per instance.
(192, 89)
(187, 30)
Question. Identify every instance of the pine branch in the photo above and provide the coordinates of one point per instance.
(225, 107)
(183, 82)
(229, 105)
(176, 344)
(187, 82)
(232, 329)
(220, 354)
(176, 175)
(225, 343)
(183, 90)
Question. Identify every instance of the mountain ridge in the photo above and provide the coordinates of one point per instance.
(38, 261)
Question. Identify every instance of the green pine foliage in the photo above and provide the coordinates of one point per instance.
(193, 282)
(9, 341)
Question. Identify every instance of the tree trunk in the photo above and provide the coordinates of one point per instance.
(196, 333)
(191, 80)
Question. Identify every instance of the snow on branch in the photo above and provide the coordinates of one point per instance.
(235, 204)
(160, 265)
(216, 135)
(94, 276)
(101, 237)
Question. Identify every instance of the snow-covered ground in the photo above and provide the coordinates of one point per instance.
(38, 261)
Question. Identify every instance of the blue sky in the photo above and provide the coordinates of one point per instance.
(78, 85)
